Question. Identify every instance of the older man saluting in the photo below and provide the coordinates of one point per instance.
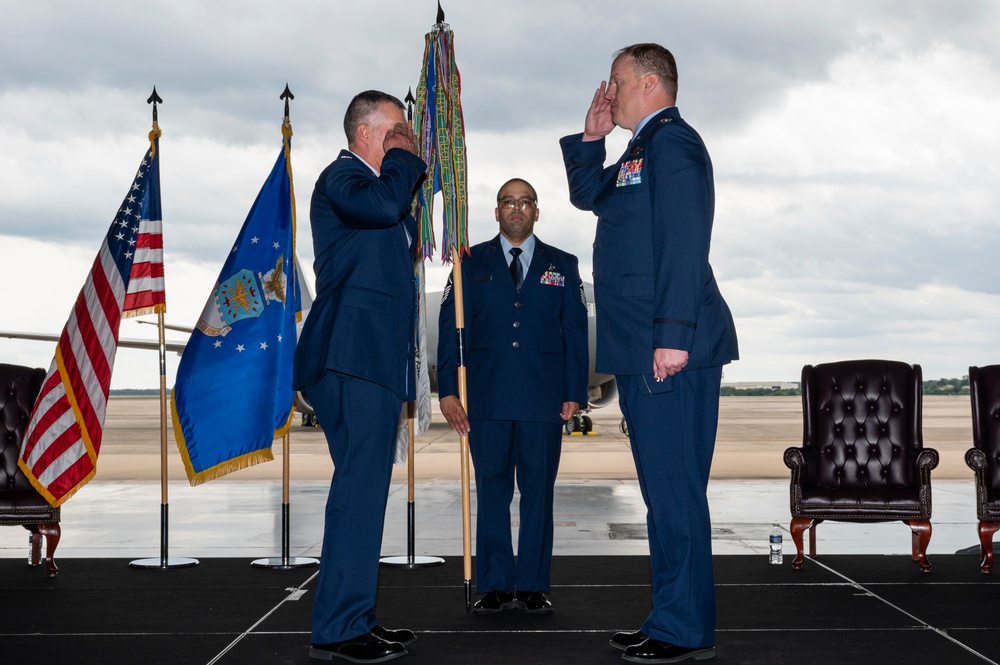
(663, 330)
(355, 362)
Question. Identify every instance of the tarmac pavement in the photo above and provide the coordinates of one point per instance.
(753, 435)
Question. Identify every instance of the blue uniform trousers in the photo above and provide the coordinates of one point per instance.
(502, 450)
(359, 419)
(673, 438)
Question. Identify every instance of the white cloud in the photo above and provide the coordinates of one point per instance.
(854, 146)
(857, 216)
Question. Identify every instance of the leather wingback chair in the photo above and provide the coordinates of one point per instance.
(19, 502)
(862, 457)
(984, 457)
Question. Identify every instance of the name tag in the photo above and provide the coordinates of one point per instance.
(630, 173)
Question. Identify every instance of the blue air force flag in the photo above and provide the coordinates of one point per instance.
(233, 395)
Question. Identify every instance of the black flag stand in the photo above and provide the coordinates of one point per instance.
(411, 560)
(163, 562)
(286, 562)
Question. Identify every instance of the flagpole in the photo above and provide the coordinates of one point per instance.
(163, 562)
(463, 396)
(285, 561)
(441, 132)
(411, 560)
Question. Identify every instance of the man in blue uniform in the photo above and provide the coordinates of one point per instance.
(355, 362)
(663, 330)
(527, 369)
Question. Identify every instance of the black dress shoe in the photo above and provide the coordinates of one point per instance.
(495, 601)
(534, 602)
(655, 651)
(623, 641)
(403, 636)
(367, 648)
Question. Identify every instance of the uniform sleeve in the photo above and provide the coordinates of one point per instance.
(584, 161)
(576, 344)
(447, 353)
(682, 199)
(363, 202)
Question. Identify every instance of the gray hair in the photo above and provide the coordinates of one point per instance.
(363, 107)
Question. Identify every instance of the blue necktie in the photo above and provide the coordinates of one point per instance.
(516, 271)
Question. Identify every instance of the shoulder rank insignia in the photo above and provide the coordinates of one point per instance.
(447, 290)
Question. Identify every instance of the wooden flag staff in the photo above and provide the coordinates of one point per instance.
(163, 561)
(463, 396)
(441, 133)
(285, 561)
(411, 560)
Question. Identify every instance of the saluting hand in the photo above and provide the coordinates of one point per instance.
(598, 123)
(400, 136)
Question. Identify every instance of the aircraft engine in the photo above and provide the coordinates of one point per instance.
(601, 395)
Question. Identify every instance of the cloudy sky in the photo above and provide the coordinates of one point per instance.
(855, 147)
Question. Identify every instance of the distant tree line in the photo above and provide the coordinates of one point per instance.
(732, 391)
(931, 387)
(947, 386)
(136, 392)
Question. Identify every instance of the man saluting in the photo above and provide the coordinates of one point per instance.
(355, 363)
(664, 330)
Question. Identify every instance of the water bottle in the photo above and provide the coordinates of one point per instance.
(775, 542)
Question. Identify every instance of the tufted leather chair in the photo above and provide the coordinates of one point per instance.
(984, 456)
(19, 502)
(862, 457)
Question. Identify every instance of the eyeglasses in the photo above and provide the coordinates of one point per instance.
(520, 204)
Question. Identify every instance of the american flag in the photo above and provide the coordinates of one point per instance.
(63, 438)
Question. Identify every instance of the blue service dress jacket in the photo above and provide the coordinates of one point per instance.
(653, 284)
(362, 321)
(526, 351)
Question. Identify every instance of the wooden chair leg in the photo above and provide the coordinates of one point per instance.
(52, 531)
(920, 539)
(986, 531)
(798, 525)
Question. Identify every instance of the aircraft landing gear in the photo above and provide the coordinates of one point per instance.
(581, 423)
(309, 420)
(623, 426)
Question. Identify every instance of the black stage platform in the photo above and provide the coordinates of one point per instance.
(837, 610)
